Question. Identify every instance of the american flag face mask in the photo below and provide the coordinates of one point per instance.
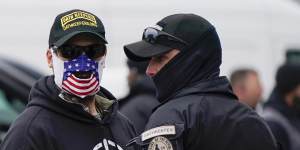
(64, 75)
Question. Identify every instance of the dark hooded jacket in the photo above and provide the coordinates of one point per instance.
(279, 129)
(51, 123)
(199, 110)
(139, 103)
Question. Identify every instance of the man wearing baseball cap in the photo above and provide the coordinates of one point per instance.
(199, 110)
(70, 110)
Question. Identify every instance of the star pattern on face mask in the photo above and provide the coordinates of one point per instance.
(80, 64)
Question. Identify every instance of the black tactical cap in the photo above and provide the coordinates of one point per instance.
(68, 24)
(188, 28)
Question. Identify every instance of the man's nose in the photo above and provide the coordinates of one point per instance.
(151, 71)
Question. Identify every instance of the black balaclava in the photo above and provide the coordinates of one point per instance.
(197, 62)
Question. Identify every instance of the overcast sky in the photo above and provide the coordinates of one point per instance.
(254, 33)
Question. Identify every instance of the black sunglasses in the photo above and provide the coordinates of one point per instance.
(153, 35)
(70, 52)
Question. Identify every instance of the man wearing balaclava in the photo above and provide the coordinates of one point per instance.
(199, 110)
(282, 111)
(70, 110)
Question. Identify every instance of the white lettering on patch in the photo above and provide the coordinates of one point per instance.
(162, 130)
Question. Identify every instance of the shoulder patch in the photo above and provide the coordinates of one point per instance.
(161, 130)
(160, 143)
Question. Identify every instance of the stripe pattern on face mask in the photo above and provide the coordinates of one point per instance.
(81, 87)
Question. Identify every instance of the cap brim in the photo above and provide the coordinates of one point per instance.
(70, 35)
(142, 50)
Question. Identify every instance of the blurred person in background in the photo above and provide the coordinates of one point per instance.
(198, 109)
(69, 110)
(246, 85)
(282, 110)
(140, 101)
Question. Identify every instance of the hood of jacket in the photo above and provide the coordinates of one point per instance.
(196, 63)
(217, 86)
(45, 94)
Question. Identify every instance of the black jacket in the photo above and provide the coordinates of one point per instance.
(276, 102)
(139, 103)
(199, 110)
(207, 116)
(50, 123)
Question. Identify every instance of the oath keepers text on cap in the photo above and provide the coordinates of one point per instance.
(81, 19)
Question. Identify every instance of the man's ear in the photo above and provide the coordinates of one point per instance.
(49, 58)
(103, 62)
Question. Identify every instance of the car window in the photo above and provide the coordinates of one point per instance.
(9, 108)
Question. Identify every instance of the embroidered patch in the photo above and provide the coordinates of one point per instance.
(78, 18)
(160, 143)
(162, 130)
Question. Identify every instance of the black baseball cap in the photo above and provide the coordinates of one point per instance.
(68, 24)
(186, 28)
